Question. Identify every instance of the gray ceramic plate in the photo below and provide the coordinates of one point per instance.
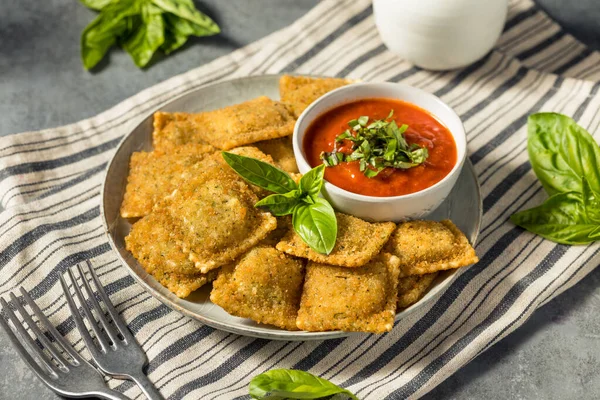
(463, 206)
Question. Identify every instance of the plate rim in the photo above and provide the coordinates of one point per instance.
(249, 331)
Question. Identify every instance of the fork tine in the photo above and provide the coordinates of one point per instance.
(28, 339)
(87, 338)
(88, 313)
(37, 331)
(109, 306)
(108, 328)
(66, 346)
(22, 351)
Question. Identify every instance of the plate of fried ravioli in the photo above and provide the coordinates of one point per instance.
(187, 227)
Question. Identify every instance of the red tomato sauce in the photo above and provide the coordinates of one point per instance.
(423, 129)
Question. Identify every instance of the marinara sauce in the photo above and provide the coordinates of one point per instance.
(423, 129)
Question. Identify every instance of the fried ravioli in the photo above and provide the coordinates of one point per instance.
(282, 152)
(154, 175)
(358, 299)
(424, 247)
(264, 286)
(218, 221)
(175, 129)
(150, 243)
(357, 242)
(412, 288)
(300, 91)
(284, 224)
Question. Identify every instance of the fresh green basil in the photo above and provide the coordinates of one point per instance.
(562, 153)
(144, 42)
(260, 173)
(293, 384)
(281, 204)
(566, 160)
(376, 146)
(313, 218)
(591, 202)
(141, 27)
(312, 182)
(316, 224)
(562, 218)
(95, 4)
(113, 23)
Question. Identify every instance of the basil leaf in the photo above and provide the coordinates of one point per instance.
(312, 181)
(280, 204)
(114, 22)
(144, 42)
(591, 201)
(561, 153)
(260, 173)
(293, 384)
(595, 235)
(316, 224)
(95, 4)
(177, 31)
(187, 11)
(562, 218)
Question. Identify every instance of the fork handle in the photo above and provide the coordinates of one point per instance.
(110, 394)
(146, 385)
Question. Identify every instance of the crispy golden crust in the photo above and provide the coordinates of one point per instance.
(284, 224)
(300, 91)
(357, 242)
(183, 285)
(264, 286)
(412, 288)
(154, 175)
(249, 151)
(245, 123)
(424, 247)
(149, 242)
(218, 221)
(175, 129)
(358, 299)
(282, 152)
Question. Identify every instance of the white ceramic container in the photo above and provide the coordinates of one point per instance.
(395, 208)
(440, 34)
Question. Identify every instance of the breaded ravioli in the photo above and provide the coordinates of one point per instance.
(154, 175)
(175, 129)
(284, 224)
(357, 242)
(282, 152)
(412, 288)
(264, 286)
(300, 91)
(350, 299)
(150, 243)
(218, 222)
(424, 247)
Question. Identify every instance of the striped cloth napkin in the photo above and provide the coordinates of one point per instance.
(50, 182)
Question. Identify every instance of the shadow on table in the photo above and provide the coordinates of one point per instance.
(557, 311)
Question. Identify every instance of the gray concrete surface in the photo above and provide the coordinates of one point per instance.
(554, 355)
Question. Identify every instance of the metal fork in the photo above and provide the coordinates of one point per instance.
(116, 353)
(70, 376)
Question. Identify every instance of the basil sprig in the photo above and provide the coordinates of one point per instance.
(376, 146)
(313, 217)
(293, 384)
(566, 160)
(141, 27)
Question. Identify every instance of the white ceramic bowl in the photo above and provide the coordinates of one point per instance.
(394, 208)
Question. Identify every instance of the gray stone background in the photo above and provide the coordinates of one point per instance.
(554, 355)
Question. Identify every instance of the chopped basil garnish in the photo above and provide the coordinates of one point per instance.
(376, 146)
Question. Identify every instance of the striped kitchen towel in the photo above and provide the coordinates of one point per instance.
(50, 182)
